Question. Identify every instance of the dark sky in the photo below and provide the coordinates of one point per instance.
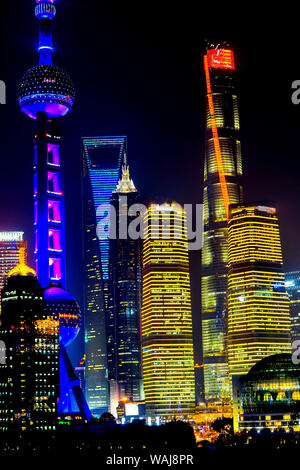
(137, 67)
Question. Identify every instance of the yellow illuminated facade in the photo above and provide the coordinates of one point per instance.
(222, 187)
(167, 338)
(258, 304)
(269, 395)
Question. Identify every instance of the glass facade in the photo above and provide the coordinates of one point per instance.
(101, 159)
(292, 285)
(270, 395)
(29, 384)
(258, 304)
(167, 338)
(49, 205)
(10, 243)
(222, 186)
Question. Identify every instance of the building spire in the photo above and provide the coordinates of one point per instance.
(125, 184)
(22, 269)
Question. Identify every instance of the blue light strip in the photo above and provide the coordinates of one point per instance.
(45, 11)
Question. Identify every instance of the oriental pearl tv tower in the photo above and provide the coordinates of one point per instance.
(46, 94)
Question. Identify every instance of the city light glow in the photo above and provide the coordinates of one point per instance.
(220, 58)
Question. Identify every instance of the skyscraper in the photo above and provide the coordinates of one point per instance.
(45, 94)
(258, 304)
(292, 285)
(167, 338)
(222, 186)
(124, 305)
(29, 384)
(10, 243)
(102, 159)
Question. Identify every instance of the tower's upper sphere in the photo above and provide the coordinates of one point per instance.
(59, 301)
(46, 88)
(45, 10)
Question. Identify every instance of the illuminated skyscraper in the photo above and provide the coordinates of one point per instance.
(29, 376)
(10, 243)
(258, 304)
(124, 305)
(167, 338)
(292, 285)
(45, 94)
(80, 372)
(222, 186)
(102, 159)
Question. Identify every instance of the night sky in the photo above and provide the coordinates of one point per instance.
(137, 68)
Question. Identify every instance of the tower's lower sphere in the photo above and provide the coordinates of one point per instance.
(59, 301)
(48, 89)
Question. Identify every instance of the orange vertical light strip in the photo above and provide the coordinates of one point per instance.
(216, 141)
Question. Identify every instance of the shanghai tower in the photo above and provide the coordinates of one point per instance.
(46, 94)
(222, 187)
